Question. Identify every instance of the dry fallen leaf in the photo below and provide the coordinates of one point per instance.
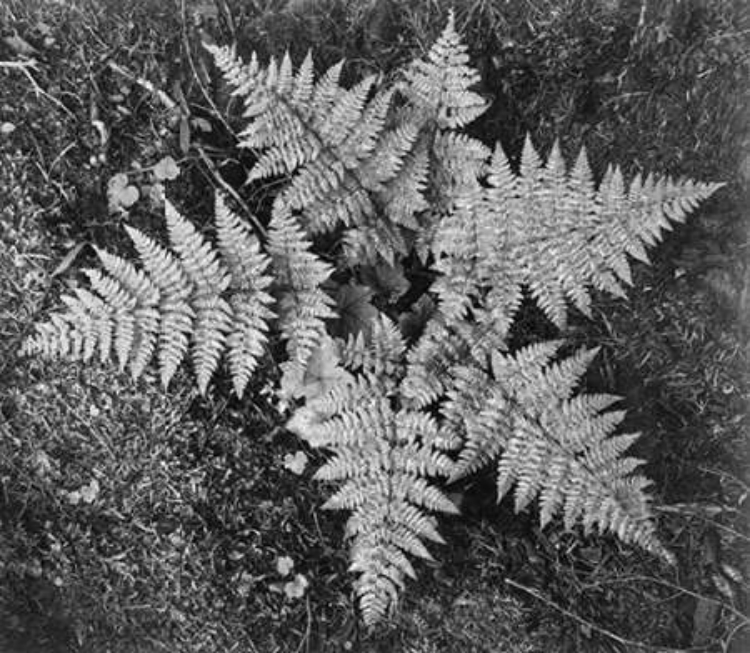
(323, 371)
(202, 125)
(70, 257)
(356, 312)
(20, 46)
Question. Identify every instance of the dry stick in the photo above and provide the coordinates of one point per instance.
(18, 64)
(259, 228)
(169, 103)
(677, 588)
(24, 66)
(592, 626)
(205, 158)
(204, 92)
(230, 19)
(731, 635)
(308, 630)
(681, 510)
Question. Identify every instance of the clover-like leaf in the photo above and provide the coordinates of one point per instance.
(295, 462)
(295, 589)
(166, 169)
(120, 193)
(284, 566)
(86, 493)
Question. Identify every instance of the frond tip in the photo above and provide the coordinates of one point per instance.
(443, 81)
(194, 296)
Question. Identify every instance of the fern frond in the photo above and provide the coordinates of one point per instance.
(391, 152)
(249, 299)
(137, 320)
(175, 313)
(459, 248)
(377, 353)
(429, 362)
(324, 136)
(404, 197)
(303, 305)
(550, 445)
(377, 176)
(213, 314)
(442, 82)
(460, 162)
(444, 346)
(551, 231)
(194, 295)
(383, 457)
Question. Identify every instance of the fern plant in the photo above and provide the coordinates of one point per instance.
(214, 299)
(373, 178)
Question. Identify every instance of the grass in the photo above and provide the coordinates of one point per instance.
(137, 520)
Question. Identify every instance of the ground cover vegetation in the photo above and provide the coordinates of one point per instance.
(135, 518)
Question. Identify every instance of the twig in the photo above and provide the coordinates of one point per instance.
(677, 588)
(60, 157)
(18, 64)
(259, 228)
(592, 626)
(167, 101)
(305, 642)
(171, 104)
(24, 66)
(721, 473)
(707, 518)
(191, 62)
(731, 635)
(93, 431)
(230, 19)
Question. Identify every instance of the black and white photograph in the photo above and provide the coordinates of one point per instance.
(374, 326)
